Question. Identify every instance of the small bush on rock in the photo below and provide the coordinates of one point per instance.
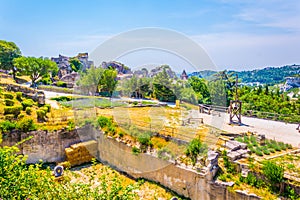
(9, 117)
(19, 96)
(8, 96)
(28, 110)
(41, 115)
(6, 126)
(15, 110)
(9, 102)
(61, 84)
(47, 107)
(26, 125)
(27, 103)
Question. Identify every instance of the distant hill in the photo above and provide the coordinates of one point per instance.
(268, 75)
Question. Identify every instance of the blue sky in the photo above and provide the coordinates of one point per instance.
(236, 34)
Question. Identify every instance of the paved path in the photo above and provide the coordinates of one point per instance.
(272, 129)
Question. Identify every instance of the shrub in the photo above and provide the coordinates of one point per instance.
(15, 110)
(246, 139)
(229, 166)
(239, 139)
(144, 138)
(21, 115)
(273, 172)
(8, 95)
(222, 177)
(27, 103)
(9, 102)
(71, 125)
(272, 150)
(254, 143)
(61, 84)
(282, 146)
(252, 139)
(258, 151)
(104, 121)
(45, 109)
(135, 150)
(48, 106)
(26, 125)
(28, 110)
(266, 151)
(252, 149)
(9, 117)
(46, 81)
(165, 153)
(121, 134)
(276, 147)
(194, 148)
(62, 98)
(41, 115)
(6, 126)
(19, 96)
(112, 129)
(251, 179)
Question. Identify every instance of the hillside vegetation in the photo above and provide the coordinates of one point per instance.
(268, 75)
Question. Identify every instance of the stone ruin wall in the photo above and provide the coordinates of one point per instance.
(44, 145)
(181, 180)
(50, 147)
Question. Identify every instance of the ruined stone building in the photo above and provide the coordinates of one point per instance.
(84, 59)
(64, 64)
(121, 68)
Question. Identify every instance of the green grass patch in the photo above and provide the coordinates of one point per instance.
(91, 102)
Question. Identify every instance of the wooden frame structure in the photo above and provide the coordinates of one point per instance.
(235, 107)
(235, 112)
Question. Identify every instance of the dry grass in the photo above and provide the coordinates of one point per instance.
(146, 190)
(7, 80)
(164, 120)
(291, 163)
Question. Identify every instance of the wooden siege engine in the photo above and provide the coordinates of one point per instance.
(235, 108)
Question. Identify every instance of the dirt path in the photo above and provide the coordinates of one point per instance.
(53, 103)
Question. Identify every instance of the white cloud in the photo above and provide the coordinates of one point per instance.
(275, 14)
(244, 51)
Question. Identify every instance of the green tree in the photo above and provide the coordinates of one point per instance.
(8, 52)
(218, 93)
(34, 67)
(75, 64)
(108, 81)
(162, 87)
(201, 89)
(89, 80)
